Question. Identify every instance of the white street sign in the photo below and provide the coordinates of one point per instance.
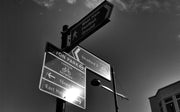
(92, 62)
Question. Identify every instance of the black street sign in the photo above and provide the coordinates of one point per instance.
(63, 76)
(89, 24)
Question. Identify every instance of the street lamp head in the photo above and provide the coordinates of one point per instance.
(96, 82)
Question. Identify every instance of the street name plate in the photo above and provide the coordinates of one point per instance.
(92, 62)
(63, 76)
(89, 24)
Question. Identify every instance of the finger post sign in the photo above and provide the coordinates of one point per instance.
(89, 24)
(92, 62)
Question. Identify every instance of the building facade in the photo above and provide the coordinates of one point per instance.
(167, 99)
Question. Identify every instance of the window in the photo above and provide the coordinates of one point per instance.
(178, 96)
(178, 103)
(161, 109)
(170, 107)
(178, 99)
(169, 104)
(168, 99)
(160, 106)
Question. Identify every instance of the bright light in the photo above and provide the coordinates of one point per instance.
(71, 94)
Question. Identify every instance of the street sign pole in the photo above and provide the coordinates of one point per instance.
(57, 82)
(114, 90)
(64, 37)
(61, 104)
(72, 36)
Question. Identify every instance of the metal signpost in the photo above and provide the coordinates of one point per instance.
(92, 62)
(63, 77)
(88, 25)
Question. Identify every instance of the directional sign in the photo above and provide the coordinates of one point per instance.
(89, 24)
(92, 62)
(63, 76)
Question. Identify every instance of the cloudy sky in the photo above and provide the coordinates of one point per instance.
(126, 5)
(141, 42)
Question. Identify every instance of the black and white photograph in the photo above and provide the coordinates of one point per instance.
(90, 55)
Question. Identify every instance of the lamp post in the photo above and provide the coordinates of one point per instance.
(97, 82)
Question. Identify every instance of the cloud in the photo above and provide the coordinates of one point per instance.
(93, 3)
(124, 5)
(147, 5)
(121, 5)
(71, 1)
(51, 3)
(45, 3)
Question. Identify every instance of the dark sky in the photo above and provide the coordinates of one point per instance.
(142, 46)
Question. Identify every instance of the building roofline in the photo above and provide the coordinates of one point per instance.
(164, 88)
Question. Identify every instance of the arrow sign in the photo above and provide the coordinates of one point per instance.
(89, 24)
(63, 76)
(92, 62)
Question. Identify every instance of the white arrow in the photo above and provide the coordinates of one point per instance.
(76, 51)
(50, 76)
(109, 8)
